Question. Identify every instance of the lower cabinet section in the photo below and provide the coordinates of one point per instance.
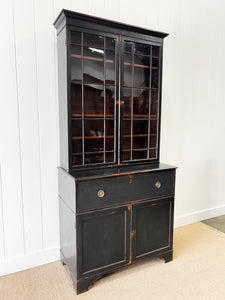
(112, 238)
(103, 240)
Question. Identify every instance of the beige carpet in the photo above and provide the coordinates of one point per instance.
(197, 272)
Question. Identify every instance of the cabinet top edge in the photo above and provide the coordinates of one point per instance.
(65, 15)
(119, 171)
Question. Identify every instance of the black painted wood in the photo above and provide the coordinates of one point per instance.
(124, 189)
(83, 20)
(134, 218)
(150, 227)
(103, 242)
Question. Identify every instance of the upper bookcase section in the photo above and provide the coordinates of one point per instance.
(70, 18)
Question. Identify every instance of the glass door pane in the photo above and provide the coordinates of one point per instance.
(140, 100)
(93, 94)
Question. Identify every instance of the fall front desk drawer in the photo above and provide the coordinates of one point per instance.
(105, 192)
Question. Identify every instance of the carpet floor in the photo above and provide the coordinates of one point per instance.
(197, 272)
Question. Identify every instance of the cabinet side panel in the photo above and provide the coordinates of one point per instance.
(67, 189)
(63, 108)
(68, 237)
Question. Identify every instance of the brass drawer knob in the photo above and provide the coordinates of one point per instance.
(100, 194)
(158, 184)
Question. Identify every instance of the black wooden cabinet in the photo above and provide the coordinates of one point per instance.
(116, 199)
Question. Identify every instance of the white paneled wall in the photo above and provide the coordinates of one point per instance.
(193, 121)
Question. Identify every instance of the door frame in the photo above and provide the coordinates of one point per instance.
(158, 251)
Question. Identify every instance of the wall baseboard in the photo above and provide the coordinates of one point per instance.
(28, 261)
(198, 216)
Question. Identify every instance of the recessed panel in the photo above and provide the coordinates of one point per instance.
(152, 227)
(103, 240)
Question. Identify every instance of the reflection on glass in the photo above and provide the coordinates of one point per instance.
(143, 49)
(76, 74)
(75, 50)
(109, 101)
(76, 99)
(92, 40)
(93, 53)
(142, 61)
(127, 94)
(110, 43)
(127, 72)
(93, 71)
(128, 46)
(94, 100)
(75, 37)
(110, 67)
(140, 103)
(141, 77)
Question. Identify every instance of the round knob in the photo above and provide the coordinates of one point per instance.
(100, 194)
(158, 184)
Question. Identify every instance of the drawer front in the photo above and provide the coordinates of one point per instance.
(124, 189)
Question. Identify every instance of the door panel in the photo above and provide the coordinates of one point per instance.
(103, 240)
(140, 95)
(94, 89)
(152, 224)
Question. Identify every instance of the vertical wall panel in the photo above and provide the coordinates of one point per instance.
(2, 232)
(10, 141)
(29, 124)
(44, 32)
(58, 5)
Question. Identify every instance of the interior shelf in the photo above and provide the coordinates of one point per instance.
(110, 136)
(92, 58)
(140, 66)
(140, 116)
(92, 116)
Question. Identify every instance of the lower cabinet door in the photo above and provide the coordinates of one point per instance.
(103, 240)
(152, 228)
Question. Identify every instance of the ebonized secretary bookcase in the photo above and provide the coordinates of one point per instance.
(116, 198)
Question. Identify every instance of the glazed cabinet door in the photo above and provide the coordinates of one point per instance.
(103, 239)
(152, 228)
(93, 92)
(140, 99)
